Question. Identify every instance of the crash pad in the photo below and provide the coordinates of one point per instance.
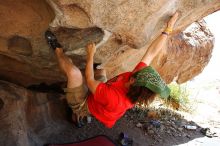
(100, 140)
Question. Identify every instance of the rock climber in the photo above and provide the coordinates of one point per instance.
(108, 101)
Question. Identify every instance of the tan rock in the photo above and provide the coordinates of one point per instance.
(26, 117)
(24, 18)
(137, 22)
(26, 58)
(185, 56)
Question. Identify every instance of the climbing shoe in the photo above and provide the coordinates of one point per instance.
(78, 122)
(52, 40)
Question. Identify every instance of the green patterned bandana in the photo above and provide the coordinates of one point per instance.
(150, 78)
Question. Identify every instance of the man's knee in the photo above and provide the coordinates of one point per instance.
(74, 72)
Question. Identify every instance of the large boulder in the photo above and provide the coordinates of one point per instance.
(184, 57)
(135, 23)
(120, 28)
(183, 60)
(29, 118)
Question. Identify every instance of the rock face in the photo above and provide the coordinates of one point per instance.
(184, 57)
(121, 29)
(26, 117)
(130, 21)
(189, 56)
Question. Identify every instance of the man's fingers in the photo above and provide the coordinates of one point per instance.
(175, 17)
(93, 45)
(91, 48)
(173, 20)
(90, 45)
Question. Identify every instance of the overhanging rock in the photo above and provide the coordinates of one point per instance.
(131, 25)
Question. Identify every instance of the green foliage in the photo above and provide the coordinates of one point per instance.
(179, 93)
(179, 96)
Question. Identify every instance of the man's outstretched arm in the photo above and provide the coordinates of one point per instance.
(160, 41)
(91, 82)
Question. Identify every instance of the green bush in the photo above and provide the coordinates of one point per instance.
(179, 96)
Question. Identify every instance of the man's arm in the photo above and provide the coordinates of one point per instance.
(91, 82)
(160, 42)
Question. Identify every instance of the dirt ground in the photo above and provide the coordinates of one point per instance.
(138, 128)
(140, 125)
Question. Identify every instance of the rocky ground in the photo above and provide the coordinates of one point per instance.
(170, 131)
(166, 129)
(156, 126)
(27, 118)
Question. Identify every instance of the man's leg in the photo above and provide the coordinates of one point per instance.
(74, 75)
(76, 92)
